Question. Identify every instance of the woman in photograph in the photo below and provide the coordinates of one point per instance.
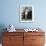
(27, 14)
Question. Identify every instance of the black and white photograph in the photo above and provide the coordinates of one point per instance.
(26, 13)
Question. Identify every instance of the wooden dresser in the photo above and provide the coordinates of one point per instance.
(23, 38)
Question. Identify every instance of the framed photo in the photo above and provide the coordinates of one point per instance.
(26, 13)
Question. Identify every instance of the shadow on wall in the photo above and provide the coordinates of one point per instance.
(2, 26)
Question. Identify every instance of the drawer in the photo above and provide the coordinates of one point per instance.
(14, 44)
(37, 44)
(12, 38)
(13, 33)
(34, 33)
(37, 39)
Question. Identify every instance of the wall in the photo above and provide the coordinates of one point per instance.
(10, 13)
